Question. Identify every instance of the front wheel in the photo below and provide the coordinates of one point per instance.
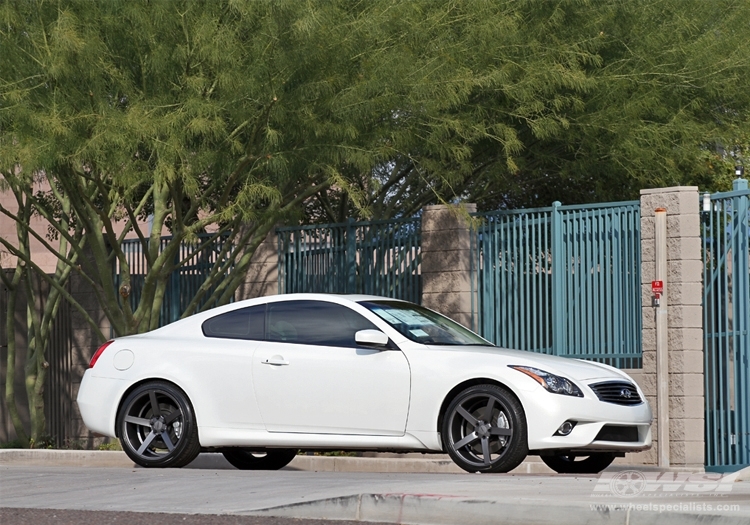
(157, 427)
(248, 459)
(484, 430)
(577, 464)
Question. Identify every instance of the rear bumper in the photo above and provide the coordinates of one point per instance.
(95, 402)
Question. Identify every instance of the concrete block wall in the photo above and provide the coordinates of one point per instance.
(262, 277)
(446, 261)
(683, 291)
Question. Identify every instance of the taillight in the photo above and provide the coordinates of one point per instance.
(98, 353)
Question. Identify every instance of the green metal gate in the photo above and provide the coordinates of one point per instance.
(563, 280)
(374, 257)
(194, 259)
(726, 328)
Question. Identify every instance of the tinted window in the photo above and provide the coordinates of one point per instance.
(314, 323)
(246, 323)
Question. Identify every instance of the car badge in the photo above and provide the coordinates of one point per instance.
(625, 393)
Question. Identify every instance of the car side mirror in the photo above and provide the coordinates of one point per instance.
(371, 338)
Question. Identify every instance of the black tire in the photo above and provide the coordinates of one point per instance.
(253, 459)
(157, 426)
(579, 464)
(484, 430)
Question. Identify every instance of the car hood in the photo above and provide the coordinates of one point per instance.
(571, 368)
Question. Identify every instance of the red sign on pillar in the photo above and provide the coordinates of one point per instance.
(657, 287)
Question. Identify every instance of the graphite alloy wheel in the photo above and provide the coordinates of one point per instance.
(484, 430)
(157, 426)
(577, 464)
(253, 459)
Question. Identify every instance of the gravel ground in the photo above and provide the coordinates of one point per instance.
(14, 516)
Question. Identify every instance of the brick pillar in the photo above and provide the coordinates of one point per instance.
(446, 262)
(685, 319)
(262, 276)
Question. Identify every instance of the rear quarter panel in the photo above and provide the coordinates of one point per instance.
(215, 374)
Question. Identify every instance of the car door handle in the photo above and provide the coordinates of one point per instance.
(276, 360)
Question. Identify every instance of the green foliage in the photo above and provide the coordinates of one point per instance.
(209, 116)
(42, 442)
(16, 443)
(113, 445)
(579, 101)
(394, 104)
(634, 95)
(200, 115)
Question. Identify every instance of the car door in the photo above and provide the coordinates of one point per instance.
(223, 368)
(310, 376)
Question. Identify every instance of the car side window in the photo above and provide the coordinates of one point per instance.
(314, 323)
(245, 323)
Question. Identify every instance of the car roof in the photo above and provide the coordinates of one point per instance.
(178, 325)
(346, 297)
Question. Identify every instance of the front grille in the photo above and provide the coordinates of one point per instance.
(617, 433)
(617, 392)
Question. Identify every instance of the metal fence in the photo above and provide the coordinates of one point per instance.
(373, 257)
(194, 261)
(62, 372)
(726, 328)
(563, 280)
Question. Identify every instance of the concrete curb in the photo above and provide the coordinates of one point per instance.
(388, 463)
(403, 463)
(64, 458)
(424, 509)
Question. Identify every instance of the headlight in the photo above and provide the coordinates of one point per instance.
(551, 382)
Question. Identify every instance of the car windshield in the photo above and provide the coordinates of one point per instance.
(422, 325)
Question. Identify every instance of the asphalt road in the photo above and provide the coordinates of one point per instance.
(10, 516)
(220, 496)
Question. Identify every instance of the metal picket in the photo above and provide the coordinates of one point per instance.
(370, 257)
(562, 280)
(726, 328)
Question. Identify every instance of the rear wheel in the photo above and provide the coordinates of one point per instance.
(253, 459)
(157, 427)
(579, 464)
(484, 430)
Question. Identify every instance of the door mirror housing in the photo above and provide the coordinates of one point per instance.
(371, 338)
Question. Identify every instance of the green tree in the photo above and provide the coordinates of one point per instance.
(659, 99)
(573, 100)
(217, 118)
(203, 116)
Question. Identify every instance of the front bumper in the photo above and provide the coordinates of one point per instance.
(546, 412)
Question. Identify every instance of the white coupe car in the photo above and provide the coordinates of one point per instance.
(261, 379)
